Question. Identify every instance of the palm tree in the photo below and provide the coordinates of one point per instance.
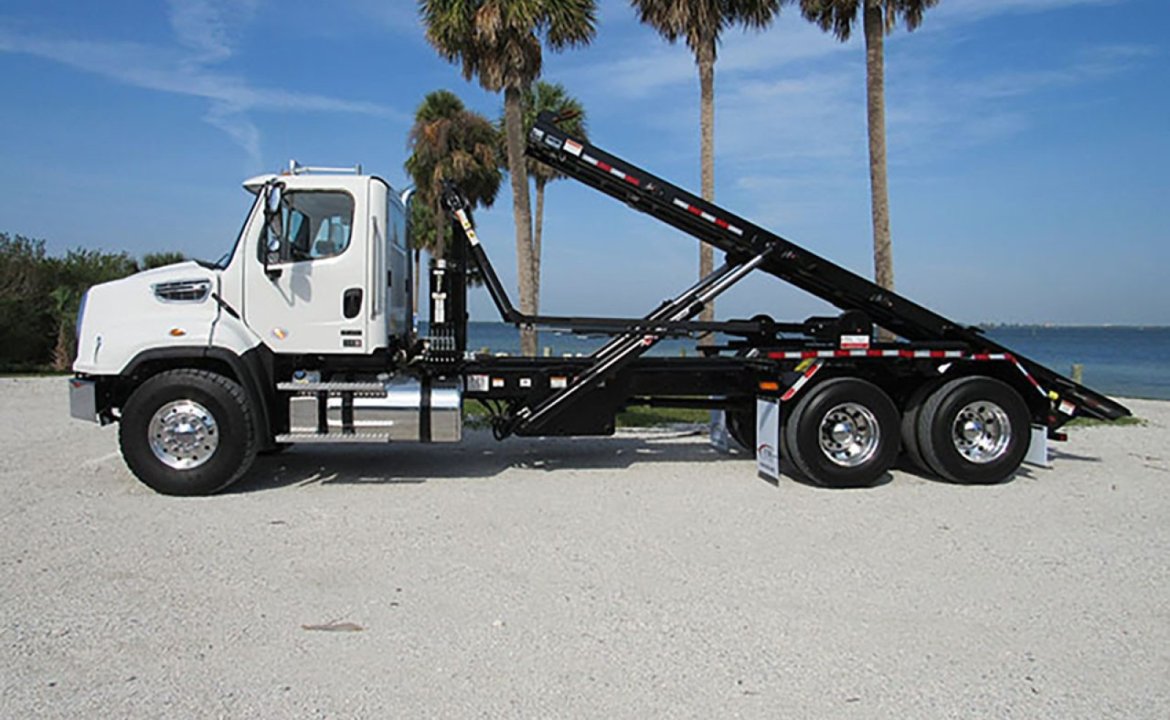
(447, 142)
(700, 23)
(547, 97)
(499, 42)
(879, 19)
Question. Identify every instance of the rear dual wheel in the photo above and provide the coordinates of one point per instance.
(972, 430)
(843, 433)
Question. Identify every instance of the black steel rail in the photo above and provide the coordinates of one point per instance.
(742, 239)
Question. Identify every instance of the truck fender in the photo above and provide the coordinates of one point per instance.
(253, 370)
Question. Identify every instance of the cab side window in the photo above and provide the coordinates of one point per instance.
(316, 224)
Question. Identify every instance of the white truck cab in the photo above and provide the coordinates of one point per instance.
(184, 354)
(337, 281)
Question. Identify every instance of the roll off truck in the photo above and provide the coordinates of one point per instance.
(304, 332)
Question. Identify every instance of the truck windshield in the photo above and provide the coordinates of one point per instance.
(226, 258)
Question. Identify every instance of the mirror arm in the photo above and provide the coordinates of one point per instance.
(271, 213)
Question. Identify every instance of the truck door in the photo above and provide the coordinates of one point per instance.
(311, 297)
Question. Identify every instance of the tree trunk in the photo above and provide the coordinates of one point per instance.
(706, 61)
(875, 96)
(63, 352)
(537, 233)
(521, 211)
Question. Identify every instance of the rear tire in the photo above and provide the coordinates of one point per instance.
(974, 430)
(910, 424)
(843, 434)
(741, 426)
(187, 432)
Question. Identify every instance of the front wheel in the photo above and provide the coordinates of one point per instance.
(844, 433)
(187, 432)
(974, 430)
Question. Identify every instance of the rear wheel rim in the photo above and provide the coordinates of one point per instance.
(981, 432)
(183, 434)
(849, 435)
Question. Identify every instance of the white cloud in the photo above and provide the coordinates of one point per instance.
(206, 32)
(658, 67)
(201, 25)
(969, 10)
(400, 16)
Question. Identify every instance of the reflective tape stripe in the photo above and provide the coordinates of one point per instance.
(718, 222)
(1035, 383)
(801, 382)
(909, 354)
(604, 166)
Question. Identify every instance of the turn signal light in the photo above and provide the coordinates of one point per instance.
(770, 386)
(178, 332)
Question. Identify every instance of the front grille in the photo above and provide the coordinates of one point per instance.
(183, 290)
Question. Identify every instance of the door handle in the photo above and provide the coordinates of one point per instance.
(351, 303)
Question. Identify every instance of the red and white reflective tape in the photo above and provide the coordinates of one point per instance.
(909, 354)
(802, 381)
(707, 216)
(1032, 380)
(935, 354)
(606, 167)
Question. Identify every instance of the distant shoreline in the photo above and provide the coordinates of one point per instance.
(1050, 326)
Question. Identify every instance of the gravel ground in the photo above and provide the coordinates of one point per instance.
(642, 575)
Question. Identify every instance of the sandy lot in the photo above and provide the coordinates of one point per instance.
(643, 575)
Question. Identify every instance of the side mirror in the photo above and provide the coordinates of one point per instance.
(272, 198)
(274, 229)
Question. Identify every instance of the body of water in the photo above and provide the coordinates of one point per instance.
(1118, 361)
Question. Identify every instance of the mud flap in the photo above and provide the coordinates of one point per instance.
(768, 438)
(1038, 448)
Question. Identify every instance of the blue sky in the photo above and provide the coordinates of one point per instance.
(1028, 142)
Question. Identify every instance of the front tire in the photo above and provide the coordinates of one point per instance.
(974, 430)
(843, 434)
(187, 432)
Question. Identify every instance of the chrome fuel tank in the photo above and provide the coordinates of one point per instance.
(402, 409)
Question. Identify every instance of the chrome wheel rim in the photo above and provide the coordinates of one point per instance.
(849, 435)
(183, 434)
(982, 432)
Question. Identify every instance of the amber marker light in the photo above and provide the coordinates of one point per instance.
(178, 332)
(770, 386)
